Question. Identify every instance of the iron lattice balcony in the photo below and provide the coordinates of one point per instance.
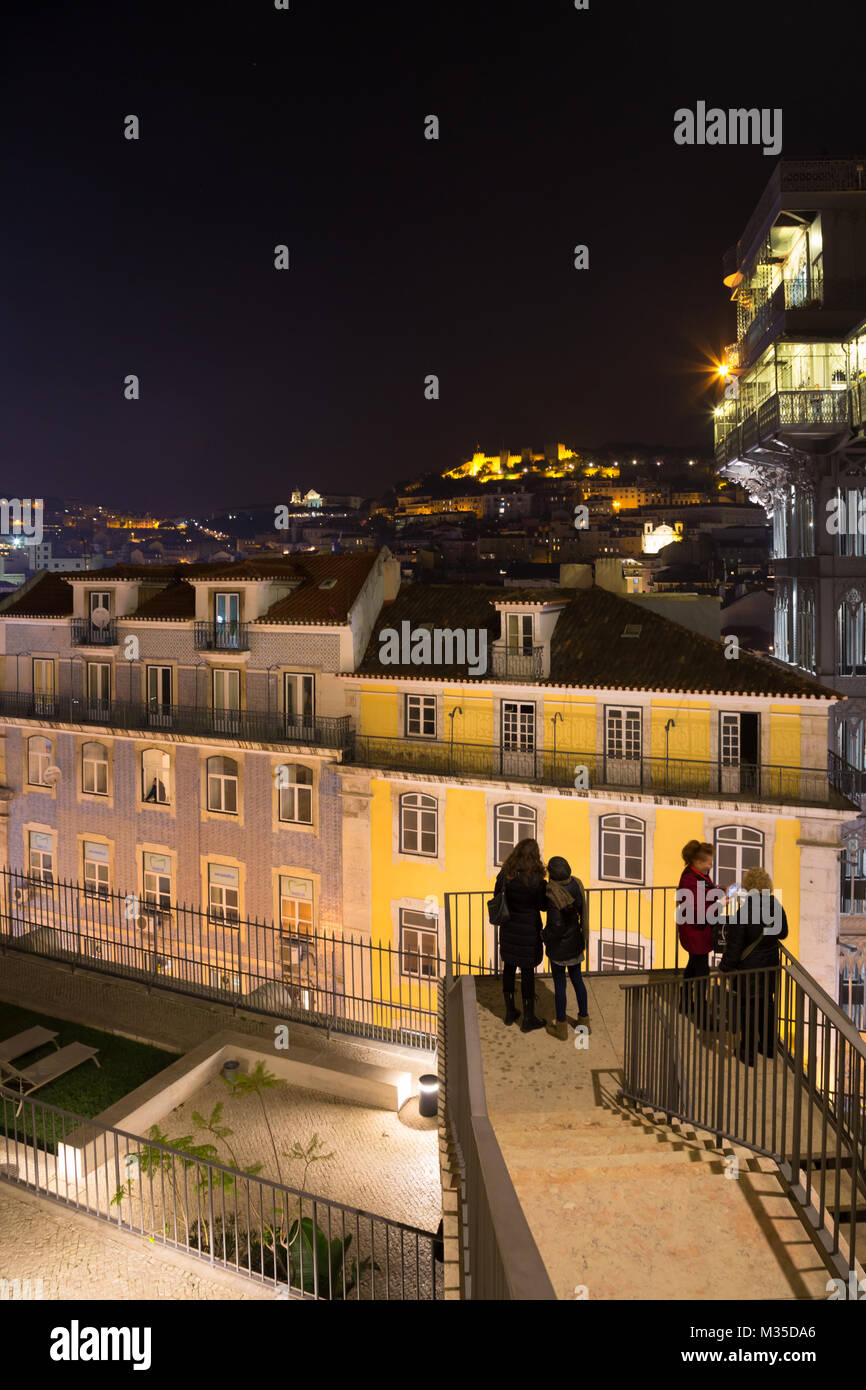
(517, 663)
(222, 637)
(258, 725)
(588, 771)
(86, 633)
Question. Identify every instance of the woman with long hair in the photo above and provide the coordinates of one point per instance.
(522, 877)
(694, 931)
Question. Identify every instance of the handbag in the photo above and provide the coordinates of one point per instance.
(497, 909)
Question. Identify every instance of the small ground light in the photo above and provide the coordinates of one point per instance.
(428, 1095)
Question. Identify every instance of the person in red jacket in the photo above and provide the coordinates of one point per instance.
(696, 897)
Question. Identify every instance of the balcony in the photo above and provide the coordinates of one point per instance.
(86, 633)
(517, 663)
(256, 725)
(222, 637)
(655, 775)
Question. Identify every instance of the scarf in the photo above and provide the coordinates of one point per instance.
(559, 895)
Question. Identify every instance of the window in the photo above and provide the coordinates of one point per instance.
(622, 731)
(510, 824)
(222, 785)
(518, 633)
(851, 637)
(94, 769)
(804, 626)
(518, 726)
(299, 698)
(295, 786)
(419, 944)
(96, 866)
(737, 848)
(226, 621)
(156, 776)
(420, 716)
(781, 645)
(41, 856)
(296, 904)
(729, 739)
(850, 509)
(419, 822)
(623, 849)
(612, 955)
(38, 759)
(156, 880)
(223, 893)
(43, 684)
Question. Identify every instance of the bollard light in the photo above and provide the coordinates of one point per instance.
(428, 1095)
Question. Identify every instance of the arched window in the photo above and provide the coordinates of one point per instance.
(511, 823)
(295, 787)
(94, 769)
(156, 776)
(738, 848)
(419, 824)
(222, 785)
(38, 758)
(622, 849)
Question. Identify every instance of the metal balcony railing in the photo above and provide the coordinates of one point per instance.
(517, 663)
(222, 637)
(813, 408)
(259, 725)
(89, 634)
(583, 770)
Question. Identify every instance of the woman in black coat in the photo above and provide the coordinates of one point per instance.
(522, 877)
(752, 936)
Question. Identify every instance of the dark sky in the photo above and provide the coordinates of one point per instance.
(408, 256)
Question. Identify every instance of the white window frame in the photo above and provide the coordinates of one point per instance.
(614, 832)
(226, 783)
(417, 930)
(502, 816)
(97, 871)
(94, 767)
(623, 732)
(419, 711)
(41, 759)
(40, 861)
(162, 778)
(418, 812)
(518, 726)
(744, 837)
(296, 797)
(220, 907)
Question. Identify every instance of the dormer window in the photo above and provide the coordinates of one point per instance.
(98, 604)
(227, 609)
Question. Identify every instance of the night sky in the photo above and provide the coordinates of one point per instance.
(408, 256)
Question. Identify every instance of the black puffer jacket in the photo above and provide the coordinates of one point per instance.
(741, 930)
(520, 936)
(563, 930)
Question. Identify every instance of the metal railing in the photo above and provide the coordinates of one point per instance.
(762, 1058)
(517, 663)
(321, 977)
(625, 929)
(301, 1245)
(86, 633)
(562, 768)
(258, 725)
(499, 1259)
(222, 637)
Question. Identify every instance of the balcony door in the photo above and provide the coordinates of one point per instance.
(518, 633)
(98, 689)
(299, 704)
(622, 745)
(739, 752)
(517, 750)
(159, 696)
(227, 612)
(226, 701)
(43, 685)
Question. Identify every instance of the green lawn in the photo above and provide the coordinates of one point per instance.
(87, 1089)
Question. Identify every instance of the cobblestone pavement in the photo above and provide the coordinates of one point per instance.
(80, 1258)
(383, 1162)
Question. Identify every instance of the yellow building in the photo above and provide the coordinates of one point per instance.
(609, 734)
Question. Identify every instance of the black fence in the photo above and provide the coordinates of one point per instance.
(300, 1245)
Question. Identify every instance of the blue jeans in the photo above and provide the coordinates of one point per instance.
(559, 972)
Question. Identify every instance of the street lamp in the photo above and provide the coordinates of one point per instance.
(671, 724)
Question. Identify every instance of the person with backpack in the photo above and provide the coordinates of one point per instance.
(519, 896)
(563, 937)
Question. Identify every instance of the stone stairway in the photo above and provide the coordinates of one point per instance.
(621, 1205)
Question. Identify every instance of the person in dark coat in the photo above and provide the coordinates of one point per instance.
(522, 876)
(752, 936)
(563, 938)
(694, 931)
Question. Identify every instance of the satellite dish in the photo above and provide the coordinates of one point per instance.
(100, 617)
(52, 773)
